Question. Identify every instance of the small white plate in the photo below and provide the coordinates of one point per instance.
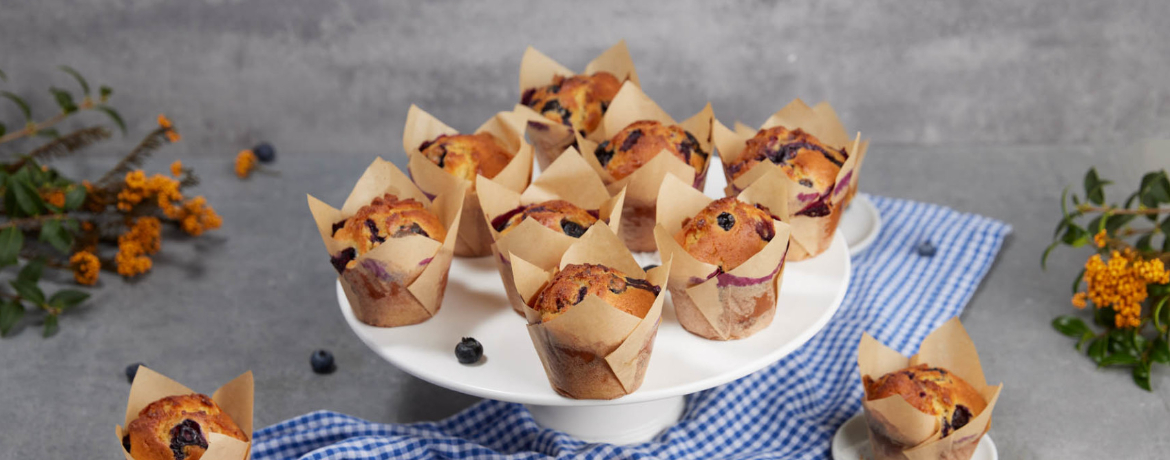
(860, 224)
(852, 442)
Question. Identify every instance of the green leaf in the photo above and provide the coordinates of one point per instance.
(31, 273)
(50, 326)
(74, 197)
(3, 129)
(11, 241)
(1158, 290)
(26, 195)
(67, 298)
(1160, 351)
(1155, 189)
(1119, 343)
(1141, 376)
(1070, 326)
(1157, 315)
(1143, 243)
(1061, 226)
(29, 291)
(24, 108)
(1098, 348)
(1140, 343)
(1044, 258)
(71, 225)
(10, 314)
(1097, 224)
(1078, 280)
(1119, 359)
(54, 233)
(1085, 338)
(114, 116)
(1075, 236)
(105, 92)
(1095, 187)
(1116, 222)
(64, 99)
(77, 75)
(1104, 316)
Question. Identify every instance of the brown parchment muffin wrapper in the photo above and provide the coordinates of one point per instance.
(474, 239)
(810, 235)
(568, 178)
(593, 350)
(631, 105)
(550, 138)
(724, 306)
(402, 280)
(234, 398)
(898, 431)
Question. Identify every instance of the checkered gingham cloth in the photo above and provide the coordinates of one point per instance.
(789, 410)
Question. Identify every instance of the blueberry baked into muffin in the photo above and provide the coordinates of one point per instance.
(727, 232)
(934, 391)
(578, 101)
(570, 285)
(467, 155)
(802, 156)
(385, 217)
(558, 215)
(177, 428)
(641, 141)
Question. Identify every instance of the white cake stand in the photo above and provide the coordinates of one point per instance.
(475, 306)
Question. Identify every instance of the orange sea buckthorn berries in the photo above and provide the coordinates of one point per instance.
(177, 168)
(169, 128)
(245, 163)
(86, 267)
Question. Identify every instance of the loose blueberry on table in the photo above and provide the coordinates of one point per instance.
(926, 249)
(264, 152)
(468, 351)
(322, 362)
(132, 370)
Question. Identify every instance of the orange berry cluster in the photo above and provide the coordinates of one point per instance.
(165, 123)
(1120, 283)
(142, 239)
(86, 267)
(245, 163)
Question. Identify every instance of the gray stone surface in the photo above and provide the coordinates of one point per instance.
(988, 107)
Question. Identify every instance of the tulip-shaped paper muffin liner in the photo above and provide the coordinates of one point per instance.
(569, 178)
(897, 430)
(710, 303)
(402, 280)
(631, 105)
(234, 398)
(474, 238)
(548, 137)
(593, 350)
(810, 235)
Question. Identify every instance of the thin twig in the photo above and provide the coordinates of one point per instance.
(149, 144)
(34, 129)
(24, 221)
(1117, 211)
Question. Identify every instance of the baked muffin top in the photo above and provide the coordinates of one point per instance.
(802, 156)
(467, 155)
(177, 428)
(559, 215)
(385, 217)
(570, 285)
(578, 101)
(638, 143)
(932, 390)
(727, 232)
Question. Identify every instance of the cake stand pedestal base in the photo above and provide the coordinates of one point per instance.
(613, 424)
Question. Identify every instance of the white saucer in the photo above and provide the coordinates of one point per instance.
(852, 442)
(860, 224)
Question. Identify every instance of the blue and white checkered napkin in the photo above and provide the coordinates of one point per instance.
(788, 410)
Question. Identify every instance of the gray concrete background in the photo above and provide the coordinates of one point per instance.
(988, 107)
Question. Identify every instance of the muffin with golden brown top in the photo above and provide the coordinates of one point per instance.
(467, 155)
(932, 390)
(570, 285)
(177, 428)
(727, 232)
(558, 215)
(385, 217)
(638, 143)
(801, 155)
(578, 101)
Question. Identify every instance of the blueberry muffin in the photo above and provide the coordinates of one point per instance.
(467, 155)
(570, 285)
(641, 141)
(727, 232)
(578, 101)
(177, 428)
(802, 156)
(385, 217)
(559, 215)
(932, 390)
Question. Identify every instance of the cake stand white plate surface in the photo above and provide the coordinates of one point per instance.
(860, 224)
(852, 443)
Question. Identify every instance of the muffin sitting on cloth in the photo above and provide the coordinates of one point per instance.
(933, 405)
(559, 104)
(391, 245)
(819, 161)
(728, 256)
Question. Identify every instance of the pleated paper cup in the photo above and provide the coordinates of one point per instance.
(593, 350)
(402, 280)
(708, 302)
(629, 106)
(548, 137)
(234, 398)
(899, 431)
(474, 238)
(568, 178)
(810, 235)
